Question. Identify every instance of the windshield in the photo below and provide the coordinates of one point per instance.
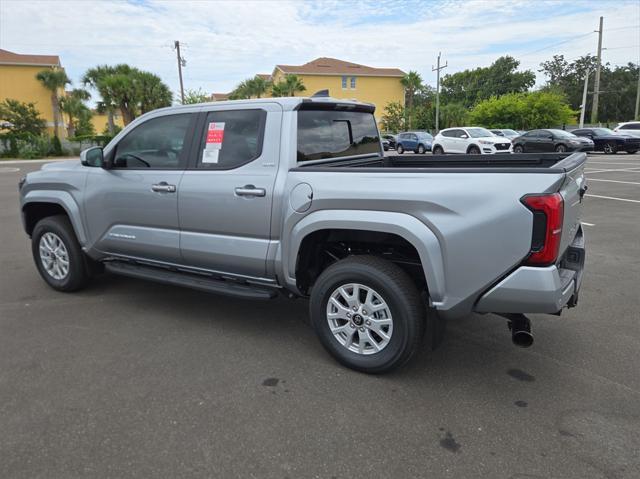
(510, 132)
(479, 132)
(562, 134)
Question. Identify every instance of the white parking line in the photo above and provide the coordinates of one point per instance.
(628, 170)
(612, 198)
(615, 181)
(587, 224)
(613, 163)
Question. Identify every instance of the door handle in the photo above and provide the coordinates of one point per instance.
(250, 190)
(163, 187)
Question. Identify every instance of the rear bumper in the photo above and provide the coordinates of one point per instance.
(531, 289)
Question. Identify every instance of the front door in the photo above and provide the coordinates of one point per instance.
(225, 197)
(132, 208)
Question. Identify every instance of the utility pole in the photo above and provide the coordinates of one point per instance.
(437, 70)
(181, 63)
(596, 88)
(584, 99)
(637, 116)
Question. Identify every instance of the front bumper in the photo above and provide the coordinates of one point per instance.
(531, 289)
(493, 149)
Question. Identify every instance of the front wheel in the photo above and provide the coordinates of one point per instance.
(58, 255)
(368, 314)
(610, 148)
(473, 150)
(518, 149)
(561, 148)
(400, 149)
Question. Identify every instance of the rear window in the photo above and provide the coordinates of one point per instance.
(334, 134)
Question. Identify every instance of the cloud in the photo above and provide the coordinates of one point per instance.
(225, 42)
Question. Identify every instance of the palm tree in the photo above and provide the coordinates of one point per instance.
(73, 105)
(53, 80)
(279, 89)
(412, 82)
(259, 86)
(293, 85)
(92, 78)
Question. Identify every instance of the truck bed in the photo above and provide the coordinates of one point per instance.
(507, 163)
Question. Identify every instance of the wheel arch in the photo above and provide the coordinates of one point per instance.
(41, 204)
(404, 227)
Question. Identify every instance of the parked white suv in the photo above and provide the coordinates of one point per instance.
(629, 128)
(470, 139)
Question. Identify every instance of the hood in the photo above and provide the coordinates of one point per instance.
(62, 165)
(494, 139)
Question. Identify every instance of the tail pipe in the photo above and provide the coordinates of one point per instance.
(520, 328)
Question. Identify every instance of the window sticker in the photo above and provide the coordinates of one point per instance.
(213, 144)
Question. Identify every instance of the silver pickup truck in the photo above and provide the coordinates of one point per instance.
(254, 198)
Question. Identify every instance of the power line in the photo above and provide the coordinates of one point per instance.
(555, 44)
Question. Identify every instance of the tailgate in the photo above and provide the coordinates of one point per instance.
(572, 190)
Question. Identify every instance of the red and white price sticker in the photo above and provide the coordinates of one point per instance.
(213, 143)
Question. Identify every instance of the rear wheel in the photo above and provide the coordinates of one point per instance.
(473, 150)
(610, 148)
(561, 148)
(518, 149)
(368, 314)
(58, 255)
(421, 149)
(632, 152)
(437, 150)
(400, 149)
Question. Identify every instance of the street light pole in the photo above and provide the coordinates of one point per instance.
(180, 61)
(584, 99)
(596, 88)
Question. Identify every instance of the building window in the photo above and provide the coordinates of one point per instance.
(353, 83)
(344, 83)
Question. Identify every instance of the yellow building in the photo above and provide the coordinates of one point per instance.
(101, 120)
(18, 82)
(379, 86)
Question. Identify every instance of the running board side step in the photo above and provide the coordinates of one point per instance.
(188, 280)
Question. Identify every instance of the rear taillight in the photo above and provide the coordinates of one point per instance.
(548, 214)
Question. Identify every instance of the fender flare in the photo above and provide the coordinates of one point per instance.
(63, 199)
(406, 226)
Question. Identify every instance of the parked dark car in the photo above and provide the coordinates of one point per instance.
(391, 139)
(544, 141)
(416, 141)
(385, 145)
(609, 141)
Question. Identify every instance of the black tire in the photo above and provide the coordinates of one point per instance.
(400, 149)
(610, 148)
(78, 274)
(518, 149)
(632, 152)
(473, 150)
(399, 292)
(561, 149)
(438, 150)
(421, 150)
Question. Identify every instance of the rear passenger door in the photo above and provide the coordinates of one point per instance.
(458, 144)
(225, 198)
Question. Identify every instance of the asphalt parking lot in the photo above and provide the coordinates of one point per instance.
(133, 379)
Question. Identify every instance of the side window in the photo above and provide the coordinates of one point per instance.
(353, 83)
(446, 133)
(157, 144)
(231, 138)
(532, 134)
(333, 134)
(580, 132)
(344, 83)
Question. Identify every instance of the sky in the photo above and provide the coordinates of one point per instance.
(225, 42)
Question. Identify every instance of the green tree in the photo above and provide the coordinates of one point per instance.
(539, 109)
(132, 91)
(412, 82)
(192, 97)
(279, 89)
(93, 78)
(20, 119)
(73, 105)
(468, 87)
(393, 119)
(452, 114)
(54, 80)
(294, 84)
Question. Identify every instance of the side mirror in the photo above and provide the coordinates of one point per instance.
(92, 157)
(463, 136)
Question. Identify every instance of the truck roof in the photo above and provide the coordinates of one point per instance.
(287, 103)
